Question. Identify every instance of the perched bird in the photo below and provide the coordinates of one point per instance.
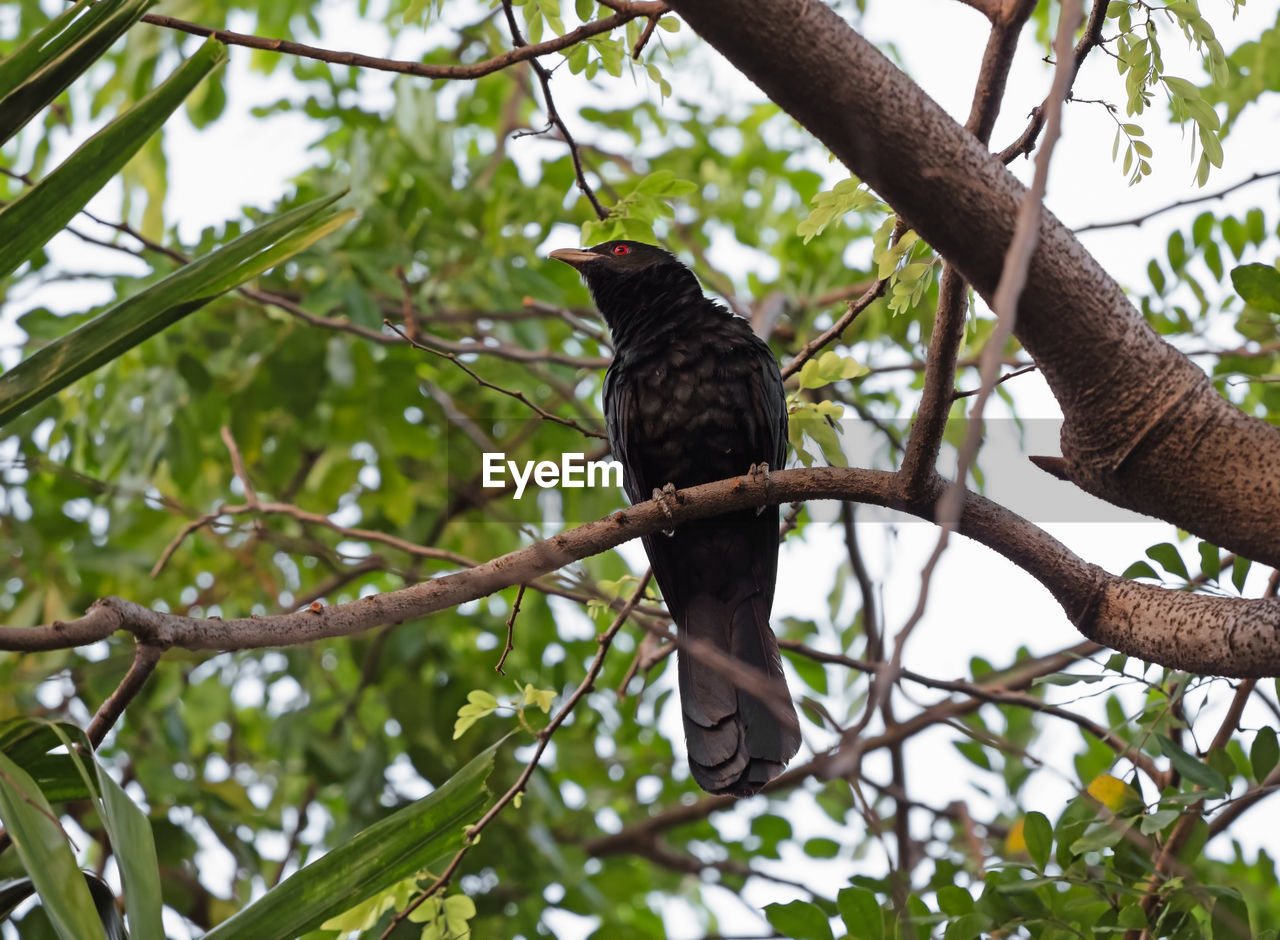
(693, 396)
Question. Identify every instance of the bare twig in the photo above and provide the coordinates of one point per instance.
(644, 38)
(484, 383)
(1208, 197)
(1091, 39)
(624, 12)
(511, 627)
(553, 116)
(237, 467)
(1004, 378)
(146, 656)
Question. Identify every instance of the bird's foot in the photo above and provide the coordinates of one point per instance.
(664, 497)
(757, 471)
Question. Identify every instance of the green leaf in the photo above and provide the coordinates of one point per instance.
(1191, 769)
(1240, 572)
(799, 920)
(860, 911)
(1140, 569)
(46, 64)
(134, 850)
(846, 196)
(954, 901)
(128, 830)
(827, 368)
(1038, 834)
(1258, 285)
(479, 705)
(1157, 821)
(967, 927)
(1230, 918)
(1181, 88)
(1102, 835)
(822, 848)
(1166, 555)
(816, 421)
(1177, 251)
(43, 850)
(1210, 561)
(146, 313)
(35, 216)
(1265, 753)
(387, 852)
(1132, 916)
(812, 673)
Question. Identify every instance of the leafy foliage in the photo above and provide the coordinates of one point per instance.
(280, 447)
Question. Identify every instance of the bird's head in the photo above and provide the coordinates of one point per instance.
(628, 279)
(615, 258)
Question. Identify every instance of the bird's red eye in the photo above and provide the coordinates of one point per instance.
(621, 250)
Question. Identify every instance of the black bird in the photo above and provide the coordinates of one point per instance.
(693, 396)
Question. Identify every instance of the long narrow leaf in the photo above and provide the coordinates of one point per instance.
(35, 216)
(387, 852)
(28, 741)
(13, 893)
(128, 831)
(135, 850)
(41, 68)
(131, 321)
(46, 856)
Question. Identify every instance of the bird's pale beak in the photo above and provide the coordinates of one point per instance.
(575, 257)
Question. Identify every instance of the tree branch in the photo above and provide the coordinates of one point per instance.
(1134, 407)
(624, 12)
(1193, 632)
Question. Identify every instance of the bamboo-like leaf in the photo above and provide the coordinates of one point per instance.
(131, 321)
(41, 68)
(387, 852)
(46, 856)
(35, 216)
(128, 831)
(135, 852)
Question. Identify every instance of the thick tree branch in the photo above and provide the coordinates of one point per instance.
(1193, 632)
(1144, 428)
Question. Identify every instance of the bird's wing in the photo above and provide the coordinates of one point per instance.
(622, 413)
(772, 404)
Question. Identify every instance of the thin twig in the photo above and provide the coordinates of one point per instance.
(511, 627)
(237, 467)
(146, 656)
(644, 38)
(868, 297)
(1208, 197)
(553, 116)
(484, 383)
(624, 12)
(955, 396)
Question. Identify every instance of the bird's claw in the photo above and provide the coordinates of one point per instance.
(663, 498)
(757, 471)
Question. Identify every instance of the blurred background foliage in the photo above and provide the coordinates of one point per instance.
(251, 764)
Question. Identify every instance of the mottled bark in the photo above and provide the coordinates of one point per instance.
(1144, 428)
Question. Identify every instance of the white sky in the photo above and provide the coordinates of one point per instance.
(980, 604)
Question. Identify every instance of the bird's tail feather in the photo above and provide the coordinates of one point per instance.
(738, 740)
